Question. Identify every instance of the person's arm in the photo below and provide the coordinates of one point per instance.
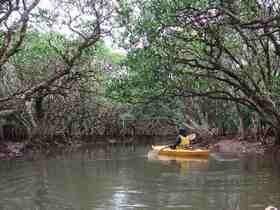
(178, 141)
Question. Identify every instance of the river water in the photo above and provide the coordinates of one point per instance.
(105, 178)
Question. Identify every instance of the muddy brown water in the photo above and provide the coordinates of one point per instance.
(125, 177)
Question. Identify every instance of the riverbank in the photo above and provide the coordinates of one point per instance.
(11, 150)
(222, 144)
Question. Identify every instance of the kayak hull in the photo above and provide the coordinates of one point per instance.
(164, 150)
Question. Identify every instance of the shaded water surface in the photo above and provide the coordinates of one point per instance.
(126, 178)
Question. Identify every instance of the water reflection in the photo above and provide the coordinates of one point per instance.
(126, 178)
(183, 164)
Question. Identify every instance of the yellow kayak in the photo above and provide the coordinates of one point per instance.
(165, 150)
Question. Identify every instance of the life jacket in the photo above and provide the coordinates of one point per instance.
(184, 142)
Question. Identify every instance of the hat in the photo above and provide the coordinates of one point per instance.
(183, 131)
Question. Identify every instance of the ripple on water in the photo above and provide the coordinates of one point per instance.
(178, 206)
(19, 182)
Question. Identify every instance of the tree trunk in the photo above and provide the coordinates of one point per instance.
(277, 135)
(28, 105)
(241, 128)
(39, 111)
(255, 126)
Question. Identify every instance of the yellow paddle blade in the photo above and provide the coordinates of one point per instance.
(159, 147)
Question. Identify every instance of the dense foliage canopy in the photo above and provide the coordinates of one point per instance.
(208, 65)
(226, 50)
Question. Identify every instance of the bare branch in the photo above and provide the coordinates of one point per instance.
(14, 34)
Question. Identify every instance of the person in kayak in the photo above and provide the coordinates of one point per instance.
(182, 140)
